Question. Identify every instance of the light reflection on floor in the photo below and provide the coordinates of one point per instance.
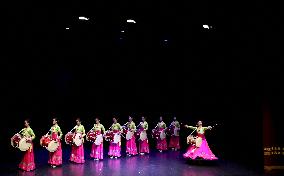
(166, 164)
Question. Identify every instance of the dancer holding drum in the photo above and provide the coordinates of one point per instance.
(23, 141)
(131, 148)
(77, 153)
(55, 157)
(115, 143)
(95, 135)
(143, 140)
(161, 140)
(174, 139)
(198, 146)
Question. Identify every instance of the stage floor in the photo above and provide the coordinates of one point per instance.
(165, 164)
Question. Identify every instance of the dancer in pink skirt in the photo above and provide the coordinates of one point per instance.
(131, 148)
(202, 151)
(174, 140)
(161, 143)
(27, 163)
(77, 153)
(143, 143)
(97, 150)
(115, 148)
(55, 158)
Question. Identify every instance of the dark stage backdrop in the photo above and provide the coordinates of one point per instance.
(93, 69)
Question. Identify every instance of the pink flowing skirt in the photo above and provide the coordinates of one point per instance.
(55, 158)
(144, 146)
(162, 144)
(97, 151)
(174, 142)
(77, 154)
(203, 152)
(131, 147)
(27, 162)
(114, 149)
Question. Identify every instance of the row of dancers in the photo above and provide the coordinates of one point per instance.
(198, 146)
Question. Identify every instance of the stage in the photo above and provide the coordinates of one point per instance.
(170, 163)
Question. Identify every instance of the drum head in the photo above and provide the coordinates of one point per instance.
(198, 142)
(99, 139)
(15, 140)
(143, 135)
(162, 135)
(52, 146)
(116, 138)
(129, 135)
(23, 145)
(77, 139)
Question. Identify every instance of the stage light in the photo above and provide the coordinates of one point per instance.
(165, 40)
(67, 28)
(122, 31)
(205, 26)
(131, 21)
(83, 18)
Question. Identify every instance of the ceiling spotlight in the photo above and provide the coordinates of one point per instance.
(205, 26)
(131, 21)
(83, 18)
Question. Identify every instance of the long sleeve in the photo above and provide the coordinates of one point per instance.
(177, 125)
(59, 132)
(83, 130)
(132, 126)
(192, 127)
(119, 126)
(145, 126)
(31, 133)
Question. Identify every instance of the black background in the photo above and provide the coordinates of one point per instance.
(216, 75)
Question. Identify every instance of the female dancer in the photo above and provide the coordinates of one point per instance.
(97, 150)
(115, 148)
(77, 153)
(27, 163)
(174, 140)
(143, 144)
(161, 143)
(131, 148)
(203, 151)
(55, 158)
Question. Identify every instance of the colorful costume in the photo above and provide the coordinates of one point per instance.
(97, 150)
(203, 151)
(161, 143)
(131, 147)
(115, 148)
(27, 162)
(144, 145)
(55, 158)
(77, 153)
(174, 140)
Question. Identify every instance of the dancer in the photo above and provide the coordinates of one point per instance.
(27, 163)
(115, 144)
(199, 147)
(55, 158)
(174, 140)
(77, 153)
(162, 141)
(143, 140)
(131, 148)
(97, 150)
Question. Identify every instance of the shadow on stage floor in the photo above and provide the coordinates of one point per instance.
(165, 164)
